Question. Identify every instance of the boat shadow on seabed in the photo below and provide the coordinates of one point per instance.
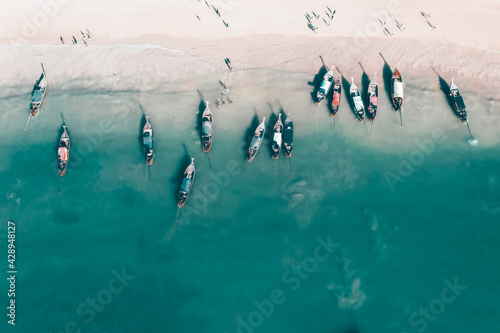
(199, 117)
(141, 127)
(365, 82)
(387, 77)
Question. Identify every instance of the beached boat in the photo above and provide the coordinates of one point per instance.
(371, 111)
(277, 138)
(288, 136)
(357, 102)
(63, 152)
(38, 94)
(207, 119)
(187, 184)
(325, 86)
(256, 140)
(397, 90)
(337, 93)
(148, 142)
(458, 102)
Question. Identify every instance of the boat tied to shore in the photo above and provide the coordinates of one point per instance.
(148, 142)
(63, 154)
(186, 186)
(371, 111)
(357, 102)
(207, 119)
(337, 94)
(458, 102)
(397, 92)
(277, 138)
(288, 135)
(256, 140)
(325, 86)
(38, 95)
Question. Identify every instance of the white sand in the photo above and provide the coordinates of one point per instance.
(471, 22)
(160, 46)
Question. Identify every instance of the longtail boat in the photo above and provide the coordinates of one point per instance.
(38, 95)
(288, 136)
(371, 111)
(186, 186)
(357, 102)
(337, 93)
(207, 119)
(148, 142)
(256, 140)
(325, 86)
(63, 154)
(458, 102)
(277, 138)
(397, 93)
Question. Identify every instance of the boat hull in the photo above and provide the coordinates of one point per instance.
(148, 142)
(187, 185)
(63, 152)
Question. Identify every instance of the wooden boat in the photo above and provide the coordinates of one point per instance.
(256, 140)
(187, 184)
(458, 102)
(357, 102)
(397, 90)
(148, 142)
(325, 86)
(207, 119)
(288, 136)
(63, 152)
(371, 111)
(337, 93)
(38, 94)
(277, 138)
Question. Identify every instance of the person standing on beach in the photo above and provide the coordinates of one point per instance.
(228, 63)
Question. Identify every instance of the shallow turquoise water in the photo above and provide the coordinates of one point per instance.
(240, 236)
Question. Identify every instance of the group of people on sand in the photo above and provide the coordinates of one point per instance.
(85, 36)
(216, 10)
(329, 14)
(427, 16)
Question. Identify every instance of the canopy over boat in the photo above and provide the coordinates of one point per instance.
(397, 90)
(277, 138)
(357, 102)
(325, 86)
(337, 90)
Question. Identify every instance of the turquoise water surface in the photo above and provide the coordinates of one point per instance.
(363, 236)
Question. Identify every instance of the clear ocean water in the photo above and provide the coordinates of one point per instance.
(393, 233)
